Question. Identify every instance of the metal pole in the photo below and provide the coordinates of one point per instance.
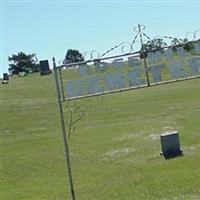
(66, 146)
(143, 53)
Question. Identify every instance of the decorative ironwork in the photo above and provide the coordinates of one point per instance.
(128, 47)
(195, 34)
(115, 79)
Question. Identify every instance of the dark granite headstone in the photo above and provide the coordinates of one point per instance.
(5, 77)
(170, 144)
(44, 67)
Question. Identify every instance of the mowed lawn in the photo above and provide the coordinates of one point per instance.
(115, 148)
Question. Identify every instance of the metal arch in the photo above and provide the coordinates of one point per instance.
(135, 44)
(93, 56)
(111, 49)
(135, 38)
(137, 30)
(158, 36)
(127, 47)
(124, 46)
(85, 54)
(195, 34)
(164, 39)
(145, 35)
(187, 35)
(145, 41)
(60, 62)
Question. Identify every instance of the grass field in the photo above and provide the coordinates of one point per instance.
(114, 149)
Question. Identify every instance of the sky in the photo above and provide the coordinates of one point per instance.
(50, 28)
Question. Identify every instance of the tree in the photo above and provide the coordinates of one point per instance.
(187, 45)
(22, 62)
(73, 56)
(176, 41)
(155, 44)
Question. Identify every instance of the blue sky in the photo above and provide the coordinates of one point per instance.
(50, 28)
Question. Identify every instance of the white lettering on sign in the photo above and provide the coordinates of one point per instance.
(75, 88)
(83, 70)
(101, 66)
(158, 56)
(156, 72)
(176, 70)
(194, 65)
(197, 48)
(114, 81)
(130, 72)
(151, 57)
(154, 57)
(168, 54)
(135, 79)
(117, 63)
(133, 61)
(70, 88)
(93, 85)
(180, 51)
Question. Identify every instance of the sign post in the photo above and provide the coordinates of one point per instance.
(65, 140)
(143, 54)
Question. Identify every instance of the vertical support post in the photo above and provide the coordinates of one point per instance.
(143, 53)
(61, 85)
(66, 146)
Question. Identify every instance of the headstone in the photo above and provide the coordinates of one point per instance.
(5, 78)
(44, 67)
(170, 144)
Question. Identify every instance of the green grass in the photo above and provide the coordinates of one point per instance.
(114, 149)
